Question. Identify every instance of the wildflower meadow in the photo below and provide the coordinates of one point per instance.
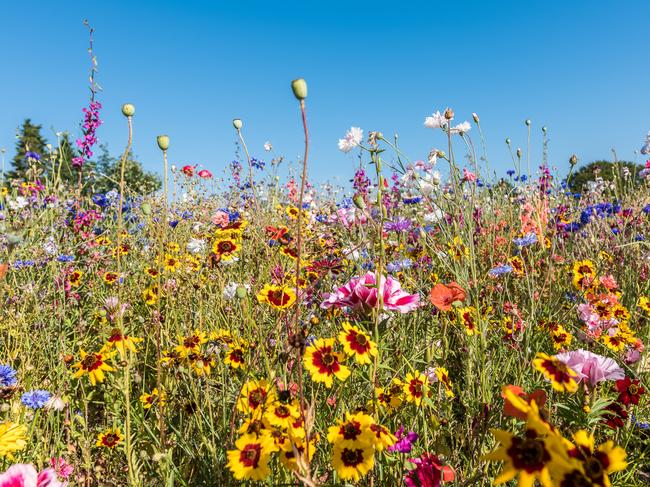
(434, 322)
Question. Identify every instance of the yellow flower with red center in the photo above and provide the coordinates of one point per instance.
(191, 343)
(562, 376)
(392, 397)
(155, 398)
(172, 247)
(323, 363)
(443, 377)
(235, 356)
(596, 463)
(517, 264)
(226, 248)
(457, 249)
(297, 448)
(561, 337)
(171, 263)
(74, 278)
(353, 430)
(111, 277)
(615, 342)
(383, 437)
(255, 425)
(110, 438)
(357, 343)
(94, 365)
(122, 342)
(467, 317)
(12, 439)
(292, 212)
(644, 304)
(280, 297)
(250, 459)
(152, 272)
(282, 414)
(201, 364)
(415, 387)
(150, 295)
(584, 274)
(254, 396)
(352, 462)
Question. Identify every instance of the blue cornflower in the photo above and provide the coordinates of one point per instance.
(646, 209)
(309, 341)
(20, 264)
(32, 155)
(346, 203)
(412, 201)
(257, 164)
(100, 200)
(510, 172)
(523, 178)
(529, 239)
(65, 258)
(7, 376)
(173, 223)
(321, 218)
(500, 270)
(35, 399)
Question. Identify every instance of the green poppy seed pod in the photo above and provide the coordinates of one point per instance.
(357, 199)
(128, 110)
(163, 142)
(518, 152)
(299, 87)
(237, 123)
(527, 122)
(241, 292)
(146, 208)
(573, 160)
(508, 141)
(544, 129)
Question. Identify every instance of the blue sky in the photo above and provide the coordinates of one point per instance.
(190, 67)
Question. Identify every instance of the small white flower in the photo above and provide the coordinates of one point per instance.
(352, 139)
(433, 157)
(50, 247)
(196, 246)
(267, 146)
(461, 128)
(18, 204)
(435, 215)
(230, 290)
(646, 147)
(56, 403)
(435, 121)
(429, 182)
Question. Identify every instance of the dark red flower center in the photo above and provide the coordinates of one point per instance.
(352, 457)
(91, 362)
(528, 454)
(250, 455)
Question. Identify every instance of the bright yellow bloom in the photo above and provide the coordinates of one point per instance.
(443, 377)
(323, 363)
(352, 431)
(357, 343)
(353, 462)
(250, 459)
(110, 438)
(467, 317)
(158, 398)
(254, 396)
(562, 376)
(191, 343)
(12, 438)
(122, 342)
(94, 364)
(415, 387)
(280, 297)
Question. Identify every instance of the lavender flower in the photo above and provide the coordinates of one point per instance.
(500, 270)
(529, 239)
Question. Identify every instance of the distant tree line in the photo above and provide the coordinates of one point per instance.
(35, 160)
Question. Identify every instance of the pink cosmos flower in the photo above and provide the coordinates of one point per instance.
(591, 367)
(62, 468)
(205, 174)
(24, 475)
(468, 176)
(220, 218)
(360, 294)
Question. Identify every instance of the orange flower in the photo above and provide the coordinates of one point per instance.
(443, 295)
(519, 410)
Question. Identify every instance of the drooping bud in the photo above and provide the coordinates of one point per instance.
(163, 142)
(508, 141)
(449, 114)
(299, 87)
(519, 152)
(573, 160)
(237, 123)
(544, 129)
(527, 122)
(128, 110)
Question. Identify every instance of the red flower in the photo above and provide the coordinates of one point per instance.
(442, 296)
(188, 170)
(205, 174)
(629, 391)
(616, 416)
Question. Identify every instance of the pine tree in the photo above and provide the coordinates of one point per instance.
(29, 140)
(137, 180)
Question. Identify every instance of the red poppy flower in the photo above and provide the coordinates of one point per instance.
(443, 295)
(188, 170)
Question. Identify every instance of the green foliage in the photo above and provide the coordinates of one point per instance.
(137, 180)
(30, 139)
(606, 170)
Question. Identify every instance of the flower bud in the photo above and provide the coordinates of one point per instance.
(357, 199)
(163, 142)
(128, 110)
(544, 129)
(299, 87)
(573, 160)
(475, 117)
(519, 152)
(241, 292)
(449, 114)
(146, 208)
(508, 141)
(527, 122)
(237, 123)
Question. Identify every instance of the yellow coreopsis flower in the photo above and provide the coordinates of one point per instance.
(110, 438)
(94, 365)
(12, 438)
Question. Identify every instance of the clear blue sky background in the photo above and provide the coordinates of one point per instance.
(579, 67)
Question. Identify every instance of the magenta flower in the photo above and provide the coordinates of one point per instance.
(24, 475)
(360, 294)
(62, 468)
(592, 367)
(428, 472)
(404, 443)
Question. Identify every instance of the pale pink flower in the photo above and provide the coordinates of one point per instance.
(461, 128)
(591, 367)
(220, 218)
(468, 175)
(361, 295)
(435, 121)
(351, 140)
(24, 475)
